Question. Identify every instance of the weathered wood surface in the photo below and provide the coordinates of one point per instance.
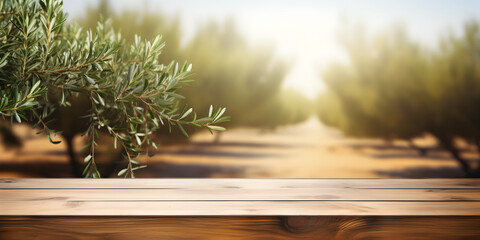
(239, 197)
(266, 227)
(250, 183)
(239, 209)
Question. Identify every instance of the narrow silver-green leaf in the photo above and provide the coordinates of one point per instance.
(186, 113)
(217, 128)
(122, 172)
(87, 158)
(89, 80)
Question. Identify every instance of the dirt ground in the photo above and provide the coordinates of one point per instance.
(308, 150)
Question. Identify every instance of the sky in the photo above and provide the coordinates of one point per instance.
(304, 32)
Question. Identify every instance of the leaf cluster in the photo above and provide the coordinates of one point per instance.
(392, 88)
(245, 78)
(46, 64)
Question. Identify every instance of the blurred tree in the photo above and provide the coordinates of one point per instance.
(241, 77)
(285, 108)
(67, 81)
(454, 87)
(143, 23)
(379, 91)
(245, 79)
(392, 89)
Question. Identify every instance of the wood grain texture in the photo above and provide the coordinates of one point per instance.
(272, 227)
(245, 194)
(228, 183)
(239, 197)
(236, 208)
(239, 209)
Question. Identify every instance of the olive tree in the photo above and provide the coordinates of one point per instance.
(244, 77)
(394, 89)
(50, 70)
(382, 91)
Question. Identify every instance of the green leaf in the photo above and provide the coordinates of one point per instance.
(136, 120)
(182, 130)
(54, 142)
(134, 162)
(42, 4)
(220, 114)
(62, 100)
(87, 167)
(86, 146)
(89, 80)
(139, 167)
(123, 137)
(186, 114)
(223, 119)
(87, 158)
(176, 69)
(35, 86)
(210, 130)
(217, 128)
(131, 71)
(122, 172)
(139, 142)
(98, 66)
(17, 117)
(204, 120)
(4, 61)
(100, 99)
(175, 95)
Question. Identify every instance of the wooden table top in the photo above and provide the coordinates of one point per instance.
(239, 197)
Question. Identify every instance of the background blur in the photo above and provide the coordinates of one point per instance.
(316, 89)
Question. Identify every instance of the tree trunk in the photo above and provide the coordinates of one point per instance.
(448, 144)
(8, 137)
(476, 171)
(76, 169)
(476, 141)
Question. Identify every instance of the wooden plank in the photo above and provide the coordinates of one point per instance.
(235, 197)
(189, 194)
(236, 208)
(233, 228)
(226, 183)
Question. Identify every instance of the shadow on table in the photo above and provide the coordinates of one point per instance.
(154, 170)
(422, 172)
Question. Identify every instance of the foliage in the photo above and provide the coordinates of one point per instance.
(380, 90)
(394, 89)
(244, 78)
(47, 65)
(146, 24)
(285, 108)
